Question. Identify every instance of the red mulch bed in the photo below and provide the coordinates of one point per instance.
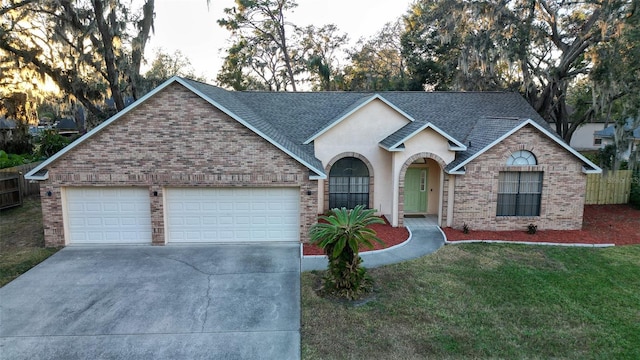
(602, 224)
(390, 235)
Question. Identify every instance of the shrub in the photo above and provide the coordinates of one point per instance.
(340, 235)
(51, 142)
(11, 160)
(532, 229)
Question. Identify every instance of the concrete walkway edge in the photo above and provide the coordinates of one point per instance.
(422, 240)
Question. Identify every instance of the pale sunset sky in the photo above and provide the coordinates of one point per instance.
(188, 26)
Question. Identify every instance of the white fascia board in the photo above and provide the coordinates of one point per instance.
(320, 172)
(591, 171)
(544, 131)
(396, 149)
(37, 177)
(83, 138)
(364, 103)
(460, 146)
(317, 177)
(457, 172)
(457, 148)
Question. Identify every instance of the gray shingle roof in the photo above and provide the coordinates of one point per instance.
(609, 131)
(482, 134)
(288, 120)
(229, 100)
(291, 118)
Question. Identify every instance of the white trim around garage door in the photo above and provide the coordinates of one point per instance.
(106, 215)
(232, 215)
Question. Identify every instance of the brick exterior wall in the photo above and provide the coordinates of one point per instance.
(563, 186)
(174, 139)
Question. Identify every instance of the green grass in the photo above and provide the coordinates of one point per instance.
(21, 240)
(17, 262)
(486, 301)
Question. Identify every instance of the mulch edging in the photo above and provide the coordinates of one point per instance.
(390, 235)
(603, 225)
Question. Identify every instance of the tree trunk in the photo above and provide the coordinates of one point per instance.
(109, 56)
(139, 43)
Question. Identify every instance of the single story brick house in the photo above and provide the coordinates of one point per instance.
(190, 162)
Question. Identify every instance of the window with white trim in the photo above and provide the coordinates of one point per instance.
(520, 192)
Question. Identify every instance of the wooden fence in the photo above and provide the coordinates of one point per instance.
(26, 186)
(610, 187)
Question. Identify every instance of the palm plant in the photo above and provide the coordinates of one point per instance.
(340, 235)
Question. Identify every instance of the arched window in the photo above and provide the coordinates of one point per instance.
(522, 158)
(520, 192)
(348, 184)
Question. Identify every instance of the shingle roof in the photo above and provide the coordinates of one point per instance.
(230, 101)
(482, 134)
(7, 123)
(291, 118)
(609, 131)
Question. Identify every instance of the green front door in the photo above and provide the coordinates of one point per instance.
(415, 191)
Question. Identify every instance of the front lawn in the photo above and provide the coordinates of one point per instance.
(486, 301)
(21, 239)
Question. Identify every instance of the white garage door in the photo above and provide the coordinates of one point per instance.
(108, 215)
(232, 214)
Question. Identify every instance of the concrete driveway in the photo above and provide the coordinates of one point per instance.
(172, 302)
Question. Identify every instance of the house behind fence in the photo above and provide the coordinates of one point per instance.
(610, 187)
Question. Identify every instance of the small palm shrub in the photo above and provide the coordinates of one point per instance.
(340, 234)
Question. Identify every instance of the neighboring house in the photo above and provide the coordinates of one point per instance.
(607, 137)
(191, 162)
(583, 139)
(67, 127)
(6, 129)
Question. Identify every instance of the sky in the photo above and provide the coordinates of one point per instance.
(191, 27)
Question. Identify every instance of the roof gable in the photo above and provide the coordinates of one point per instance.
(207, 92)
(395, 141)
(353, 109)
(457, 167)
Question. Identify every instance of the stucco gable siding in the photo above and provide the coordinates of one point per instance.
(476, 192)
(360, 133)
(175, 138)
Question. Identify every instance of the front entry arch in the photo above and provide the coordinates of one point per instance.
(422, 187)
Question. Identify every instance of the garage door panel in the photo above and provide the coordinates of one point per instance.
(108, 215)
(232, 214)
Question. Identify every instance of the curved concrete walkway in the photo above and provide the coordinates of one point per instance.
(424, 238)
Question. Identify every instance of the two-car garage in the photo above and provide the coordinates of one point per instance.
(113, 215)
